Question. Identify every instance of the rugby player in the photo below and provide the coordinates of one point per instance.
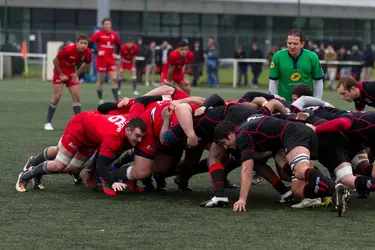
(177, 65)
(361, 93)
(262, 133)
(65, 73)
(85, 133)
(128, 52)
(106, 40)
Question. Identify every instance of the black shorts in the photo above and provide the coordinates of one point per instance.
(332, 150)
(355, 144)
(170, 151)
(297, 134)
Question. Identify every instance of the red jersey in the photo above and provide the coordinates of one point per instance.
(127, 55)
(69, 57)
(108, 131)
(106, 42)
(154, 121)
(176, 59)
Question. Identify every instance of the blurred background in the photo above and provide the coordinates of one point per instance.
(239, 28)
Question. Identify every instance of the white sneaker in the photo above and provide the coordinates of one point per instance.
(48, 126)
(256, 178)
(147, 84)
(119, 92)
(308, 203)
(216, 202)
(135, 92)
(286, 197)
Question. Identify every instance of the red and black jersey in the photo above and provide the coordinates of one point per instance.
(367, 90)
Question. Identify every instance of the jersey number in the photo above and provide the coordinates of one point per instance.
(254, 117)
(118, 120)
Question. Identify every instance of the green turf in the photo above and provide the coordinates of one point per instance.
(65, 216)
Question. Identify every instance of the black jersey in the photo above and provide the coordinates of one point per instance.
(367, 90)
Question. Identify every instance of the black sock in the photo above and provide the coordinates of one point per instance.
(288, 171)
(100, 93)
(279, 186)
(364, 184)
(126, 157)
(115, 92)
(41, 157)
(134, 82)
(51, 112)
(218, 179)
(34, 171)
(318, 185)
(77, 108)
(119, 82)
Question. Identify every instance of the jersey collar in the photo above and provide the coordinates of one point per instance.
(295, 59)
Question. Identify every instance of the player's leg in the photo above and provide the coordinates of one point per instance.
(57, 165)
(74, 92)
(76, 164)
(119, 77)
(99, 86)
(112, 75)
(133, 71)
(57, 92)
(216, 157)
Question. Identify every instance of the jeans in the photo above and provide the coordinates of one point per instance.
(212, 79)
(256, 74)
(242, 71)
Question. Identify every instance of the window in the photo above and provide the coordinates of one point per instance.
(171, 18)
(65, 19)
(210, 20)
(86, 19)
(42, 18)
(190, 19)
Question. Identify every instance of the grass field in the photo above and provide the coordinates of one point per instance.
(66, 216)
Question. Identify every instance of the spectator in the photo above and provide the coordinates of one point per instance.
(242, 66)
(151, 64)
(198, 62)
(331, 55)
(321, 52)
(212, 66)
(311, 46)
(356, 56)
(163, 53)
(368, 63)
(256, 66)
(345, 70)
(211, 40)
(270, 55)
(140, 64)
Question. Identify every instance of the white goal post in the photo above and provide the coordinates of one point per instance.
(48, 66)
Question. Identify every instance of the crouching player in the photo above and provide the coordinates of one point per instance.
(263, 133)
(176, 66)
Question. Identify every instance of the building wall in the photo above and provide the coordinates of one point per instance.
(230, 30)
(309, 8)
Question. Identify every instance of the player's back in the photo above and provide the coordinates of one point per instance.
(265, 131)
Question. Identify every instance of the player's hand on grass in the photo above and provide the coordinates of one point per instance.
(199, 111)
(239, 206)
(311, 126)
(302, 116)
(115, 56)
(123, 102)
(117, 186)
(64, 78)
(166, 82)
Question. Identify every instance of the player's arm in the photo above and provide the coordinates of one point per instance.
(135, 55)
(166, 113)
(336, 125)
(84, 66)
(318, 75)
(171, 69)
(274, 74)
(185, 118)
(56, 60)
(305, 101)
(197, 100)
(245, 146)
(172, 135)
